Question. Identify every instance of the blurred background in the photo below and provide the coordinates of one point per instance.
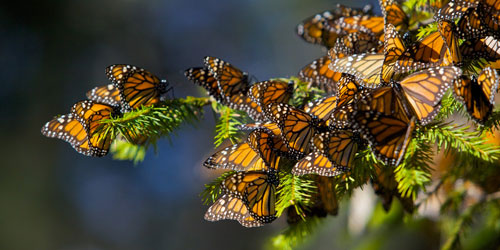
(52, 52)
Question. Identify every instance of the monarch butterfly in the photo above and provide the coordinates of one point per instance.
(450, 37)
(394, 47)
(231, 80)
(478, 95)
(333, 152)
(261, 141)
(81, 128)
(327, 194)
(470, 25)
(318, 74)
(349, 94)
(239, 101)
(487, 48)
(423, 90)
(137, 86)
(257, 190)
(431, 51)
(386, 187)
(394, 14)
(206, 79)
(349, 90)
(106, 94)
(322, 108)
(272, 128)
(365, 67)
(388, 135)
(323, 202)
(489, 12)
(228, 207)
(368, 24)
(241, 157)
(297, 127)
(455, 9)
(355, 43)
(313, 29)
(267, 92)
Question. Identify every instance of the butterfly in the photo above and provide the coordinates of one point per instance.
(487, 48)
(266, 92)
(332, 154)
(274, 131)
(471, 26)
(82, 128)
(230, 79)
(478, 95)
(365, 67)
(137, 87)
(355, 43)
(423, 90)
(238, 100)
(394, 14)
(386, 187)
(450, 36)
(206, 79)
(327, 194)
(431, 51)
(349, 94)
(228, 207)
(297, 127)
(386, 116)
(489, 11)
(373, 25)
(455, 9)
(313, 29)
(257, 190)
(106, 94)
(388, 132)
(322, 108)
(318, 74)
(246, 156)
(239, 157)
(372, 70)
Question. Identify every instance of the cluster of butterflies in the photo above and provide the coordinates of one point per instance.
(380, 85)
(131, 88)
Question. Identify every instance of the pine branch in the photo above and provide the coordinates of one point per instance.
(213, 189)
(414, 172)
(296, 234)
(449, 106)
(459, 139)
(294, 191)
(123, 150)
(426, 30)
(227, 125)
(461, 225)
(153, 122)
(361, 172)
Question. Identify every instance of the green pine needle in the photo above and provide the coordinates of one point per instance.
(213, 189)
(152, 122)
(295, 234)
(227, 125)
(460, 139)
(123, 150)
(413, 174)
(294, 191)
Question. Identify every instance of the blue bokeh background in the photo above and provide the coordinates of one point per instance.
(52, 52)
